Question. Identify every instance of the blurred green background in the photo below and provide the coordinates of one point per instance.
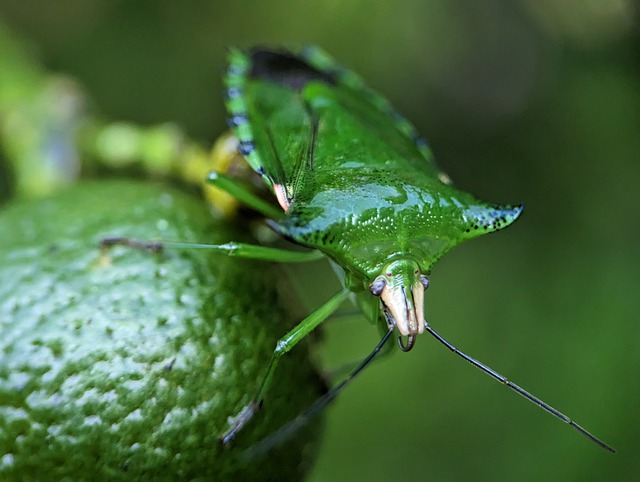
(534, 101)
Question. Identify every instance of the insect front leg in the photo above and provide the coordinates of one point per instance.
(286, 343)
(151, 246)
(321, 403)
(240, 250)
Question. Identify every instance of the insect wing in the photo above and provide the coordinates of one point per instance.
(271, 120)
(337, 155)
(295, 114)
(381, 124)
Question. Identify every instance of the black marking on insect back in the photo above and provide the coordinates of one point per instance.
(245, 147)
(233, 92)
(260, 171)
(494, 218)
(420, 141)
(286, 69)
(237, 119)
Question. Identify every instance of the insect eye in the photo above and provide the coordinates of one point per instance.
(425, 282)
(377, 286)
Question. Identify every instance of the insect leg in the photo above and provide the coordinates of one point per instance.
(286, 343)
(241, 193)
(291, 427)
(382, 353)
(520, 391)
(240, 250)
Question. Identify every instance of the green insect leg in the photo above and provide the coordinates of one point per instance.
(283, 345)
(284, 432)
(252, 251)
(236, 189)
(240, 250)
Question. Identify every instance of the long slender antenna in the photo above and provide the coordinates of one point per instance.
(520, 391)
(284, 432)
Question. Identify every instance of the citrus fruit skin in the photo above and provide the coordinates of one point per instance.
(125, 365)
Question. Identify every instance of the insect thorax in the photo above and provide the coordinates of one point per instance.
(364, 228)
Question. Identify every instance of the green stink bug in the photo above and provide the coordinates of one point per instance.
(356, 184)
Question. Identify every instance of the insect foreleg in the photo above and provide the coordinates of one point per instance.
(236, 189)
(240, 250)
(252, 251)
(291, 427)
(520, 391)
(286, 343)
(152, 246)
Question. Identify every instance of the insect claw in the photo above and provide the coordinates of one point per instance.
(240, 421)
(411, 341)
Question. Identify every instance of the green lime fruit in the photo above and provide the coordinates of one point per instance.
(126, 365)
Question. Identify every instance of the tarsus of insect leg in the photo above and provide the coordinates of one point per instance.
(321, 403)
(284, 344)
(520, 391)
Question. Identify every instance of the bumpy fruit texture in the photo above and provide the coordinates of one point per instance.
(125, 365)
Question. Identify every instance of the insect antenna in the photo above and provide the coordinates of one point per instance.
(287, 430)
(520, 391)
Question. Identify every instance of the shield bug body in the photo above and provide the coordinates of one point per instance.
(355, 183)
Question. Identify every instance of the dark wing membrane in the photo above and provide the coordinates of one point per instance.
(285, 69)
